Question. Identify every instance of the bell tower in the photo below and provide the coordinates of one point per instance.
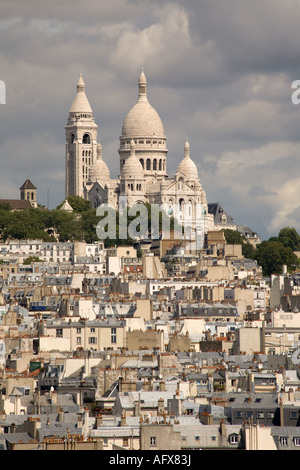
(28, 192)
(81, 142)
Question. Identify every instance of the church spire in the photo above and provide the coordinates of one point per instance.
(186, 149)
(142, 84)
(81, 103)
(80, 85)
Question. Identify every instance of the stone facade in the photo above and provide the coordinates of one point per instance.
(143, 163)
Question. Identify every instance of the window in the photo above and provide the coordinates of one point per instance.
(78, 330)
(270, 414)
(86, 139)
(92, 340)
(239, 414)
(152, 441)
(125, 442)
(59, 333)
(113, 335)
(233, 439)
(92, 330)
(296, 441)
(78, 340)
(284, 441)
(293, 415)
(260, 415)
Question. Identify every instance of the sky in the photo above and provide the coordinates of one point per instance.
(219, 74)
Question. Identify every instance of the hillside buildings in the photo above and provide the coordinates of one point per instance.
(153, 346)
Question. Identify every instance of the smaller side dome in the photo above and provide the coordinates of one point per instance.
(187, 166)
(99, 169)
(132, 167)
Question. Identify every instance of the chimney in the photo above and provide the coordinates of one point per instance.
(37, 402)
(13, 428)
(160, 407)
(222, 428)
(206, 418)
(120, 384)
(162, 386)
(33, 425)
(281, 412)
(123, 419)
(60, 415)
(98, 421)
(79, 421)
(86, 424)
(17, 406)
(53, 397)
(137, 408)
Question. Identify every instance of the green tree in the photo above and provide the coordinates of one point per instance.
(32, 259)
(271, 255)
(290, 238)
(233, 237)
(77, 203)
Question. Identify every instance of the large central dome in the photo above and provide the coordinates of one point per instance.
(142, 120)
(143, 125)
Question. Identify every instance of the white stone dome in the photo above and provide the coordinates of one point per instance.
(142, 120)
(132, 167)
(187, 166)
(99, 169)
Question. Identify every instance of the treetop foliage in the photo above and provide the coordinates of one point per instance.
(80, 224)
(271, 254)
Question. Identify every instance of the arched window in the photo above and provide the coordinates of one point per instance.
(86, 139)
(154, 164)
(181, 204)
(159, 165)
(72, 138)
(142, 162)
(97, 202)
(148, 167)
